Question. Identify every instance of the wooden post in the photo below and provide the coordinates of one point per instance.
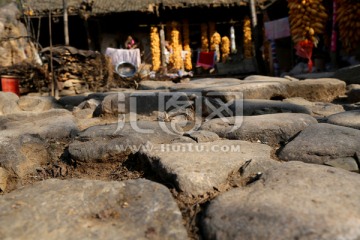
(66, 22)
(256, 35)
(54, 90)
(162, 46)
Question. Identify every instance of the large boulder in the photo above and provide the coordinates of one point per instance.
(197, 168)
(272, 129)
(323, 142)
(290, 201)
(85, 209)
(353, 93)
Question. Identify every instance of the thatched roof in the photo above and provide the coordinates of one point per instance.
(39, 7)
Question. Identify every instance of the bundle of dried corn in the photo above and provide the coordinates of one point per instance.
(186, 33)
(204, 37)
(175, 57)
(225, 48)
(248, 50)
(348, 14)
(155, 48)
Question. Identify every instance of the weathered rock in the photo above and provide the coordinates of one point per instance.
(347, 163)
(56, 123)
(141, 102)
(346, 119)
(4, 174)
(8, 103)
(353, 93)
(155, 85)
(291, 201)
(37, 104)
(351, 75)
(69, 102)
(91, 103)
(322, 142)
(317, 109)
(198, 168)
(85, 209)
(252, 107)
(265, 78)
(203, 136)
(21, 155)
(324, 89)
(107, 142)
(272, 129)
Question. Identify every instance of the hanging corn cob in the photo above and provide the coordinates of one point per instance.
(348, 20)
(155, 48)
(204, 37)
(307, 19)
(186, 33)
(225, 48)
(248, 47)
(175, 57)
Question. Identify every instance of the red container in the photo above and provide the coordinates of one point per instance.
(10, 84)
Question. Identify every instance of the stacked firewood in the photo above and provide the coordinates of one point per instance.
(79, 71)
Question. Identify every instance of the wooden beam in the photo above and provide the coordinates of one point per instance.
(66, 22)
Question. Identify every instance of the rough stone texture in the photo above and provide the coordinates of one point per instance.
(259, 107)
(69, 102)
(8, 103)
(291, 201)
(203, 136)
(106, 142)
(353, 93)
(198, 168)
(139, 102)
(322, 142)
(21, 155)
(317, 109)
(347, 163)
(56, 123)
(346, 119)
(351, 75)
(4, 174)
(85, 209)
(155, 85)
(272, 129)
(265, 78)
(324, 89)
(37, 104)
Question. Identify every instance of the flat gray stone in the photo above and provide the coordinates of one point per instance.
(201, 167)
(259, 107)
(290, 201)
(85, 209)
(317, 109)
(8, 103)
(69, 102)
(272, 129)
(37, 104)
(323, 89)
(203, 136)
(322, 142)
(138, 102)
(347, 163)
(346, 119)
(55, 123)
(155, 85)
(105, 142)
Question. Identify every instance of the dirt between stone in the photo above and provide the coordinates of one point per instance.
(119, 168)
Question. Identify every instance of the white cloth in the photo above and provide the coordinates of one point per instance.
(277, 29)
(124, 55)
